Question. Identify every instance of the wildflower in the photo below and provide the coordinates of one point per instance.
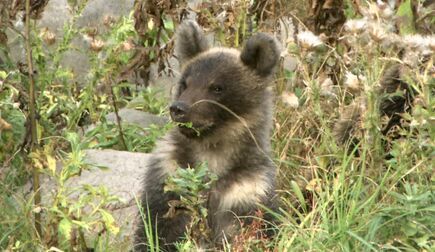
(384, 10)
(355, 25)
(377, 33)
(327, 87)
(127, 45)
(48, 36)
(97, 45)
(392, 39)
(418, 42)
(290, 99)
(109, 21)
(352, 82)
(308, 40)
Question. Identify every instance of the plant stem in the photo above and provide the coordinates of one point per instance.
(32, 114)
(82, 240)
(118, 118)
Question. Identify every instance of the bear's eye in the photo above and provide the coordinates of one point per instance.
(216, 89)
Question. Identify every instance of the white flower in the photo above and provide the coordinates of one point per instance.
(290, 99)
(327, 87)
(355, 25)
(384, 10)
(308, 40)
(377, 33)
(418, 42)
(352, 82)
(392, 39)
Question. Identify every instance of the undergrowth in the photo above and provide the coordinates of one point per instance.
(372, 190)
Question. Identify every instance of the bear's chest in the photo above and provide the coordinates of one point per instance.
(219, 159)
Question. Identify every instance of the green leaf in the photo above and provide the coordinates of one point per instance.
(299, 194)
(81, 224)
(3, 75)
(410, 229)
(64, 231)
(168, 23)
(109, 222)
(406, 17)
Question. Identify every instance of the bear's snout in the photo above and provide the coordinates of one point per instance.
(179, 111)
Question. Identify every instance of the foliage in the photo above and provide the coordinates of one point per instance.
(151, 100)
(12, 127)
(193, 186)
(74, 218)
(372, 194)
(138, 139)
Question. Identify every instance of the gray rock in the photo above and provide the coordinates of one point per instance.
(95, 10)
(143, 119)
(122, 176)
(56, 14)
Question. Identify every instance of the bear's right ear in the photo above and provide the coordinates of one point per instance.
(190, 41)
(261, 54)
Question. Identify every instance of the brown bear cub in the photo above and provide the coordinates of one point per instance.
(226, 95)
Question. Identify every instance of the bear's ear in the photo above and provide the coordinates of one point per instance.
(260, 53)
(190, 41)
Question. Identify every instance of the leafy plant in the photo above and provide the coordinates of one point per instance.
(138, 139)
(70, 216)
(193, 185)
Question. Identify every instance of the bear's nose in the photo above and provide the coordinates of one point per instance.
(178, 111)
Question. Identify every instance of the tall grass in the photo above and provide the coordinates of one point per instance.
(374, 192)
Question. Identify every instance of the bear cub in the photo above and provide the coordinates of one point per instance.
(226, 96)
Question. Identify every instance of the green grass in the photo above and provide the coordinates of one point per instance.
(334, 197)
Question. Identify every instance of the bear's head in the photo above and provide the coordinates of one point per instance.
(217, 85)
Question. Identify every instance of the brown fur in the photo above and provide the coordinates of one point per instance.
(225, 94)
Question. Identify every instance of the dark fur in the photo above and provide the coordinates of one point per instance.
(246, 174)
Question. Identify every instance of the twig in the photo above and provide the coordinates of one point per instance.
(32, 114)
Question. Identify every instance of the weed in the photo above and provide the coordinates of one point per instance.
(371, 190)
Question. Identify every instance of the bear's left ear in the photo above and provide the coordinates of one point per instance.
(261, 54)
(189, 41)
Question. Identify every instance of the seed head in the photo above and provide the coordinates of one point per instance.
(308, 40)
(352, 82)
(290, 99)
(356, 26)
(48, 36)
(97, 45)
(377, 33)
(327, 87)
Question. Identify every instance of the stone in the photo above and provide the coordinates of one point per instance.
(123, 177)
(56, 14)
(141, 118)
(121, 173)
